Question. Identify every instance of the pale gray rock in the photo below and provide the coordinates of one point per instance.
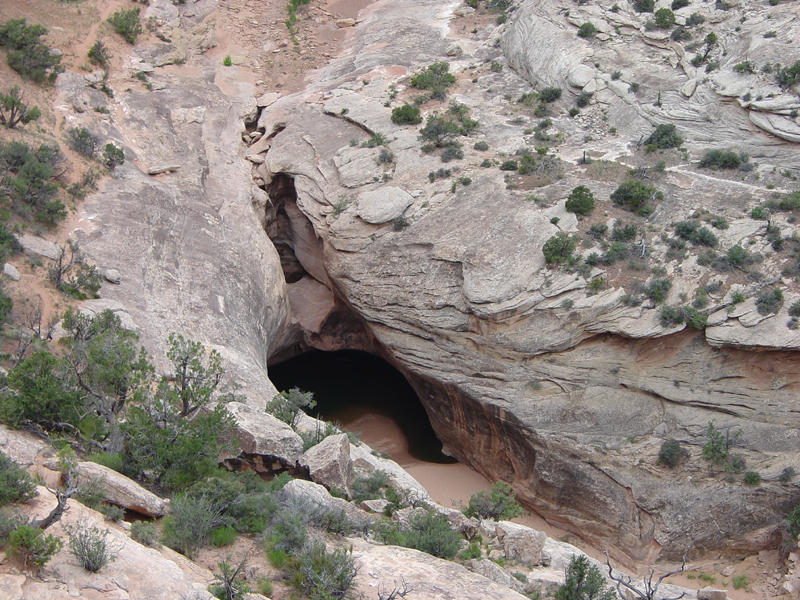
(580, 75)
(357, 166)
(262, 434)
(112, 275)
(267, 99)
(383, 204)
(491, 570)
(10, 271)
(93, 308)
(319, 498)
(23, 447)
(520, 543)
(121, 491)
(159, 169)
(37, 247)
(329, 463)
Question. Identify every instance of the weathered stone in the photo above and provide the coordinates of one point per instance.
(348, 22)
(520, 543)
(36, 246)
(23, 447)
(122, 491)
(10, 271)
(319, 498)
(267, 99)
(329, 463)
(709, 594)
(262, 434)
(112, 275)
(383, 205)
(375, 506)
(159, 169)
(494, 572)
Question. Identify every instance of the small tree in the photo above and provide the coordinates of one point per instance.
(580, 201)
(406, 115)
(13, 111)
(227, 585)
(287, 405)
(82, 141)
(634, 195)
(113, 156)
(126, 23)
(500, 504)
(16, 484)
(33, 546)
(665, 136)
(99, 54)
(559, 248)
(584, 582)
(646, 590)
(27, 55)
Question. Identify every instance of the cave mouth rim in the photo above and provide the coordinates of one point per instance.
(423, 444)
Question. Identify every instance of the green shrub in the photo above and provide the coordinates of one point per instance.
(752, 478)
(452, 152)
(624, 232)
(370, 487)
(227, 61)
(720, 159)
(113, 156)
(550, 94)
(794, 309)
(678, 4)
(323, 575)
(473, 552)
(559, 248)
(718, 445)
(190, 522)
(790, 202)
(99, 54)
(644, 5)
(27, 176)
(664, 18)
(287, 405)
(82, 141)
(587, 30)
(787, 474)
(794, 522)
(695, 19)
(634, 195)
(580, 201)
(90, 546)
(440, 131)
(435, 77)
(127, 24)
(739, 581)
(13, 111)
(665, 136)
(496, 67)
(431, 533)
(145, 533)
(289, 532)
(657, 290)
(788, 76)
(481, 145)
(406, 115)
(671, 453)
(16, 485)
(769, 301)
(499, 504)
(584, 582)
(222, 536)
(115, 462)
(27, 55)
(33, 546)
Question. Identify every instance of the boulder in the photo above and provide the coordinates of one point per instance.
(491, 570)
(11, 272)
(262, 434)
(329, 463)
(121, 491)
(37, 247)
(383, 205)
(308, 491)
(520, 543)
(112, 275)
(709, 594)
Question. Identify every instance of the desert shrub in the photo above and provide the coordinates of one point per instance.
(509, 165)
(718, 445)
(720, 159)
(584, 582)
(657, 290)
(145, 533)
(665, 136)
(370, 486)
(671, 453)
(323, 575)
(790, 202)
(678, 4)
(789, 75)
(580, 201)
(82, 141)
(99, 54)
(794, 309)
(33, 546)
(440, 131)
(644, 5)
(13, 111)
(745, 67)
(39, 395)
(251, 513)
(672, 315)
(695, 19)
(481, 145)
(90, 546)
(587, 30)
(222, 536)
(559, 248)
(472, 552)
(452, 152)
(190, 522)
(127, 24)
(113, 156)
(287, 405)
(634, 195)
(27, 55)
(16, 485)
(787, 474)
(499, 504)
(769, 301)
(430, 532)
(752, 478)
(624, 232)
(550, 94)
(406, 115)
(27, 176)
(435, 77)
(664, 18)
(289, 532)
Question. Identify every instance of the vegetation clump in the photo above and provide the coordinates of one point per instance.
(499, 504)
(584, 582)
(16, 485)
(27, 55)
(559, 248)
(13, 111)
(406, 115)
(580, 201)
(671, 453)
(721, 159)
(587, 30)
(665, 136)
(127, 24)
(436, 78)
(635, 195)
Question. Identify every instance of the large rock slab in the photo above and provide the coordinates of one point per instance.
(520, 543)
(39, 248)
(383, 204)
(329, 463)
(262, 434)
(122, 491)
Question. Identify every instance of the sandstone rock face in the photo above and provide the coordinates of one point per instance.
(329, 463)
(383, 205)
(526, 374)
(122, 491)
(260, 434)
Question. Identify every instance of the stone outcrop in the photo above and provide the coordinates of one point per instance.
(329, 463)
(121, 491)
(520, 543)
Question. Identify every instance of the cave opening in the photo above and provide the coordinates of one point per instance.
(367, 396)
